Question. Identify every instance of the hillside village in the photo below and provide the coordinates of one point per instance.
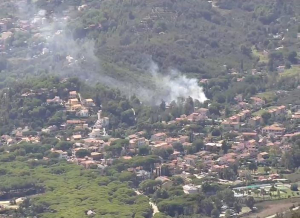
(242, 153)
(229, 154)
(244, 146)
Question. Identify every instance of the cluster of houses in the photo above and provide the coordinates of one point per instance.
(18, 136)
(76, 108)
(80, 109)
(5, 35)
(34, 27)
(246, 146)
(252, 140)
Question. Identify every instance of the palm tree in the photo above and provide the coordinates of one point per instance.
(263, 192)
(243, 192)
(256, 191)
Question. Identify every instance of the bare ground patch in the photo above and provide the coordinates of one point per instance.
(268, 208)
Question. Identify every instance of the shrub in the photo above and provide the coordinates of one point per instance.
(294, 187)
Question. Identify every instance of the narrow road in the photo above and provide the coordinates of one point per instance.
(133, 113)
(80, 100)
(155, 208)
(137, 192)
(153, 205)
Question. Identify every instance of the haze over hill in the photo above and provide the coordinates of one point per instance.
(53, 49)
(120, 40)
(118, 43)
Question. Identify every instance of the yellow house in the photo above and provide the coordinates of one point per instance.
(73, 101)
(76, 107)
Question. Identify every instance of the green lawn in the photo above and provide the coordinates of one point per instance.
(294, 71)
(285, 192)
(260, 55)
(72, 190)
(267, 96)
(260, 112)
(262, 171)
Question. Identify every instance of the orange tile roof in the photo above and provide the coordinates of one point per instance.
(274, 128)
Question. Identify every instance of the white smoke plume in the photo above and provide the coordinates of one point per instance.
(54, 49)
(175, 85)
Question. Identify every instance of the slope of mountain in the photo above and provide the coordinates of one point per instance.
(196, 37)
(115, 42)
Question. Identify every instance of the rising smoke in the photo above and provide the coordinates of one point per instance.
(176, 85)
(55, 50)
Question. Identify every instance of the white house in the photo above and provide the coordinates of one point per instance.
(62, 154)
(190, 189)
(83, 113)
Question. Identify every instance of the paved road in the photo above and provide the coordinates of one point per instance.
(154, 207)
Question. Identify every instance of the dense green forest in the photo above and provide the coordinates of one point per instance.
(70, 190)
(195, 37)
(63, 189)
(199, 38)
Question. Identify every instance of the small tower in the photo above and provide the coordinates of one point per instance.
(99, 114)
